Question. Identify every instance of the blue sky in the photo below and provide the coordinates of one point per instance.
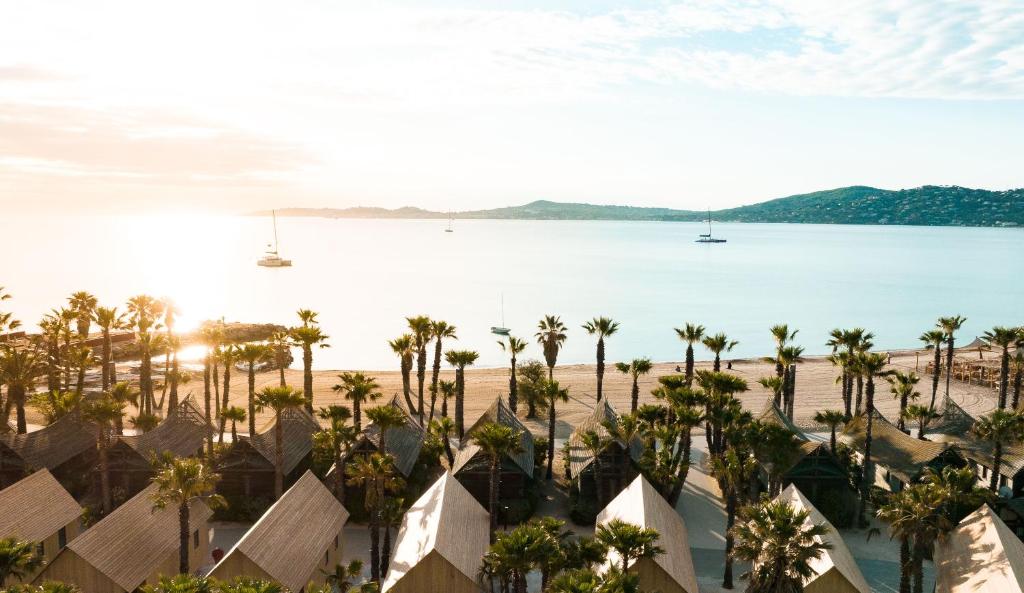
(452, 105)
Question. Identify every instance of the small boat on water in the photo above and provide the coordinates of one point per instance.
(501, 330)
(449, 229)
(706, 237)
(272, 259)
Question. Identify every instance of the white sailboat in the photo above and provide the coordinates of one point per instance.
(501, 330)
(449, 229)
(272, 259)
(706, 237)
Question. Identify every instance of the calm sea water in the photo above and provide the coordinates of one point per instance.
(365, 276)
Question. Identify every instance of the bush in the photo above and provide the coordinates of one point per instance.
(241, 508)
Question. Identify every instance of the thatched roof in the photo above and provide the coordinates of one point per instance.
(499, 413)
(133, 541)
(981, 554)
(903, 455)
(403, 443)
(953, 420)
(580, 457)
(976, 344)
(52, 445)
(299, 427)
(640, 504)
(772, 414)
(289, 540)
(36, 507)
(181, 433)
(446, 520)
(838, 558)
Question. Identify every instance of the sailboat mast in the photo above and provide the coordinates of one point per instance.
(273, 214)
(709, 221)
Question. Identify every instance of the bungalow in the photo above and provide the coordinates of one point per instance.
(39, 510)
(247, 468)
(773, 414)
(981, 554)
(472, 466)
(132, 546)
(67, 448)
(443, 536)
(640, 504)
(600, 477)
(835, 571)
(297, 541)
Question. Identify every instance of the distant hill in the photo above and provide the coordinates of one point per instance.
(929, 205)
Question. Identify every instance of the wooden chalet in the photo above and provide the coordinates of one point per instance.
(603, 476)
(439, 546)
(980, 555)
(247, 468)
(899, 459)
(472, 466)
(67, 448)
(835, 571)
(294, 543)
(39, 510)
(640, 504)
(132, 546)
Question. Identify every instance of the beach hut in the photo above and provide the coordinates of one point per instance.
(295, 542)
(67, 448)
(132, 546)
(613, 468)
(981, 554)
(640, 504)
(439, 547)
(953, 421)
(899, 459)
(472, 466)
(39, 510)
(835, 571)
(247, 468)
(823, 479)
(773, 414)
(130, 459)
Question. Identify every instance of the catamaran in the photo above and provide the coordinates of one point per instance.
(706, 237)
(271, 259)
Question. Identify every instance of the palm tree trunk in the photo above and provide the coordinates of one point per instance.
(226, 400)
(997, 463)
(868, 479)
(339, 474)
(252, 399)
(216, 386)
(937, 367)
(718, 362)
(1004, 376)
(446, 439)
(375, 545)
(1017, 377)
(635, 394)
(551, 437)
(105, 373)
(513, 388)
(689, 365)
(847, 408)
(307, 376)
(234, 431)
(407, 387)
(918, 560)
(600, 367)
(172, 403)
(16, 393)
(421, 377)
(278, 457)
(860, 392)
(281, 363)
(183, 538)
(357, 414)
(435, 375)
(901, 422)
(146, 378)
(906, 564)
(730, 520)
(206, 406)
(105, 473)
(460, 395)
(949, 362)
(832, 439)
(385, 553)
(492, 495)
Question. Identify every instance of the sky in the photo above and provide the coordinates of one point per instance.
(230, 106)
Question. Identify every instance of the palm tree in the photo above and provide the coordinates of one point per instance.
(870, 365)
(552, 393)
(595, 445)
(390, 516)
(717, 344)
(170, 312)
(210, 336)
(144, 311)
(343, 577)
(279, 399)
(18, 559)
(404, 348)
(181, 482)
(419, 327)
(832, 419)
(915, 518)
(385, 418)
(235, 414)
(690, 333)
(460, 359)
(515, 553)
(999, 428)
(81, 359)
(922, 415)
(83, 305)
(228, 354)
(181, 583)
(19, 367)
(734, 470)
(339, 436)
(1018, 371)
(447, 389)
(376, 474)
(779, 542)
(902, 386)
(775, 385)
(789, 356)
(106, 413)
(443, 427)
(496, 441)
(842, 361)
(949, 326)
(108, 319)
(960, 490)
(630, 542)
(514, 347)
(637, 367)
(933, 340)
(551, 335)
(123, 393)
(246, 584)
(1004, 338)
(602, 327)
(306, 336)
(358, 389)
(252, 354)
(280, 344)
(440, 330)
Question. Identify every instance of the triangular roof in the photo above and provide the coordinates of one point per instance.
(772, 414)
(981, 554)
(307, 510)
(298, 426)
(181, 433)
(446, 520)
(640, 504)
(903, 455)
(404, 442)
(580, 457)
(499, 413)
(953, 420)
(52, 445)
(837, 558)
(36, 507)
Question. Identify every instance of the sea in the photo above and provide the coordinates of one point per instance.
(364, 277)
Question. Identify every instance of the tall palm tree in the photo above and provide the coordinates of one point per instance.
(404, 347)
(235, 414)
(253, 354)
(631, 542)
(551, 335)
(108, 319)
(734, 470)
(635, 368)
(460, 359)
(170, 312)
(717, 344)
(949, 326)
(340, 435)
(440, 330)
(832, 419)
(1018, 371)
(280, 344)
(552, 393)
(390, 516)
(443, 427)
(915, 518)
(903, 386)
(496, 441)
(420, 327)
(81, 359)
(999, 428)
(306, 336)
(144, 312)
(83, 305)
(841, 360)
(279, 399)
(1004, 338)
(691, 333)
(447, 389)
(385, 418)
(106, 413)
(18, 559)
(777, 540)
(228, 355)
(358, 389)
(19, 367)
(517, 552)
(870, 365)
(377, 475)
(933, 340)
(210, 336)
(181, 482)
(123, 393)
(790, 356)
(602, 327)
(515, 347)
